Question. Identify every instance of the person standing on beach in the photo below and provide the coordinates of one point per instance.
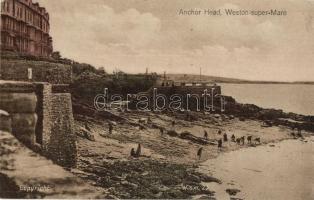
(233, 138)
(220, 143)
(138, 150)
(133, 154)
(249, 139)
(110, 128)
(199, 153)
(225, 137)
(205, 135)
(243, 140)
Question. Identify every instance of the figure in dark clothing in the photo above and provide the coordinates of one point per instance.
(110, 128)
(220, 143)
(133, 154)
(138, 150)
(225, 137)
(249, 139)
(238, 140)
(219, 132)
(173, 123)
(233, 138)
(243, 140)
(199, 153)
(205, 135)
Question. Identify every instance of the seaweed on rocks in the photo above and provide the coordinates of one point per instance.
(146, 178)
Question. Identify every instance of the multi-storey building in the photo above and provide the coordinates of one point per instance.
(25, 28)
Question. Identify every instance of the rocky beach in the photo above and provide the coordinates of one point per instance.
(178, 156)
(169, 166)
(157, 99)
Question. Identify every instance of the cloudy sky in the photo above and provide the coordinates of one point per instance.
(134, 34)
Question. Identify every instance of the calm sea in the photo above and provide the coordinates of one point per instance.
(283, 171)
(295, 98)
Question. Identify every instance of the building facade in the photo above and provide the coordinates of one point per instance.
(25, 28)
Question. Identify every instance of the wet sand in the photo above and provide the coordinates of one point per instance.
(111, 150)
(283, 170)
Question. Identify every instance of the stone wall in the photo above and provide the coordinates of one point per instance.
(42, 71)
(43, 130)
(41, 118)
(62, 140)
(21, 104)
(5, 121)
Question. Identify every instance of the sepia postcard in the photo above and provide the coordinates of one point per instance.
(157, 99)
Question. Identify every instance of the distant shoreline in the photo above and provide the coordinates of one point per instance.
(267, 82)
(216, 79)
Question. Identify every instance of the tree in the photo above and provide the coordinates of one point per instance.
(56, 55)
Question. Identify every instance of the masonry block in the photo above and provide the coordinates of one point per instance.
(18, 102)
(5, 121)
(62, 142)
(23, 127)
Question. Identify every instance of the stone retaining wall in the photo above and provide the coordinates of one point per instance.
(22, 109)
(41, 118)
(41, 71)
(62, 141)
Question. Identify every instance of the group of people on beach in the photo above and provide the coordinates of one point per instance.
(239, 141)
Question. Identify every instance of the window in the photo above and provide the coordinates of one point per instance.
(2, 5)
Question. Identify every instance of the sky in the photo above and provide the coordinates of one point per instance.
(132, 35)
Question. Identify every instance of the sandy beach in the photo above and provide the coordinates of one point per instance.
(111, 151)
(287, 165)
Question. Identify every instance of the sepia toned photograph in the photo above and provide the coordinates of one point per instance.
(157, 99)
